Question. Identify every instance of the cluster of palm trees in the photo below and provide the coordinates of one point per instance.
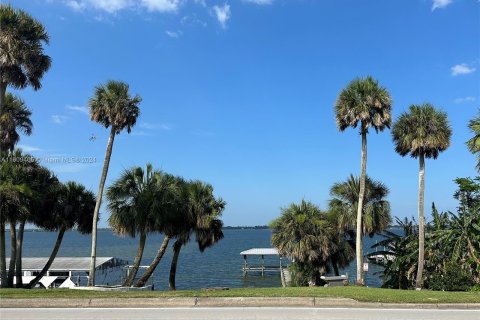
(30, 193)
(321, 241)
(143, 201)
(423, 132)
(140, 202)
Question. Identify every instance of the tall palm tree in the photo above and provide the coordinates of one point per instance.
(474, 143)
(14, 116)
(366, 104)
(304, 234)
(132, 203)
(22, 59)
(114, 108)
(73, 208)
(167, 217)
(422, 133)
(201, 217)
(375, 212)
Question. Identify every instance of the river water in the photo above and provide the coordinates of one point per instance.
(218, 266)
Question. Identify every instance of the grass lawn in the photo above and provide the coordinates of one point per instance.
(357, 293)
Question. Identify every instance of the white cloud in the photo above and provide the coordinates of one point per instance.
(28, 148)
(260, 2)
(78, 109)
(173, 34)
(438, 4)
(58, 119)
(191, 20)
(154, 126)
(460, 69)
(222, 13)
(465, 99)
(114, 6)
(77, 5)
(161, 5)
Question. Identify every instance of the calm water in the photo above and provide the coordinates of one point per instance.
(218, 266)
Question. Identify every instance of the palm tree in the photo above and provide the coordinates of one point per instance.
(366, 104)
(304, 234)
(42, 183)
(111, 106)
(72, 209)
(422, 133)
(375, 212)
(13, 194)
(14, 116)
(167, 217)
(132, 204)
(474, 143)
(22, 60)
(402, 247)
(201, 215)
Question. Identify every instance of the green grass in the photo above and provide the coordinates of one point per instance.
(357, 293)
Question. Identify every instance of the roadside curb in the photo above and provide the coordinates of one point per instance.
(180, 302)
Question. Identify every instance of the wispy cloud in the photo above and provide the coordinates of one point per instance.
(259, 2)
(28, 148)
(222, 13)
(465, 99)
(173, 34)
(114, 6)
(190, 20)
(461, 69)
(154, 126)
(140, 133)
(438, 4)
(80, 109)
(161, 5)
(58, 119)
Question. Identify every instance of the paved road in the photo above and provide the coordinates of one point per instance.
(236, 313)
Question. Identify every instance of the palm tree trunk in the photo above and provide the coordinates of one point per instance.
(359, 245)
(173, 267)
(136, 263)
(421, 223)
(3, 262)
(18, 262)
(13, 253)
(148, 273)
(106, 163)
(3, 90)
(34, 282)
(335, 269)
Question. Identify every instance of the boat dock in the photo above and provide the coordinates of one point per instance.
(262, 267)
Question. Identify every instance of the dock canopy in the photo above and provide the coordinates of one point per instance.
(260, 252)
(69, 263)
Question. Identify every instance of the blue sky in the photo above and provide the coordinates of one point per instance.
(241, 93)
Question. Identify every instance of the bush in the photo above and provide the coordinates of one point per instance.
(453, 278)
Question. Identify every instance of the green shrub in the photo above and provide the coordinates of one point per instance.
(453, 278)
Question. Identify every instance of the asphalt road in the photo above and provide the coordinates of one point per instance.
(237, 313)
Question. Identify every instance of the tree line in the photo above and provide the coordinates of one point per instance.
(358, 206)
(422, 133)
(140, 202)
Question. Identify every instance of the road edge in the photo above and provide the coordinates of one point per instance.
(180, 302)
